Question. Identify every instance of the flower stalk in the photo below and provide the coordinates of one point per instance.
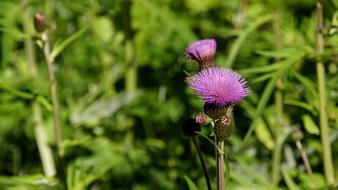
(324, 128)
(220, 165)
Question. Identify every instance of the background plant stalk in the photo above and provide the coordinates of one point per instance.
(40, 133)
(279, 123)
(324, 128)
(53, 91)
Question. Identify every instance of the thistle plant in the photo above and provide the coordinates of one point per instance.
(220, 90)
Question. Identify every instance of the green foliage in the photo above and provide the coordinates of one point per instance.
(120, 70)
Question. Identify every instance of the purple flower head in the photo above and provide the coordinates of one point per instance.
(202, 51)
(219, 86)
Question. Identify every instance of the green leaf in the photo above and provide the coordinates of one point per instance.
(283, 53)
(261, 106)
(264, 135)
(103, 28)
(239, 41)
(29, 180)
(191, 184)
(58, 48)
(310, 125)
(288, 180)
(300, 105)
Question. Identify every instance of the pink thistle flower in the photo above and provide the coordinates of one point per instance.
(202, 51)
(219, 86)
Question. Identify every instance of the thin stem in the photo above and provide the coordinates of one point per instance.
(131, 72)
(55, 107)
(54, 93)
(277, 153)
(305, 158)
(220, 165)
(212, 142)
(45, 151)
(324, 129)
(200, 155)
(40, 133)
(276, 158)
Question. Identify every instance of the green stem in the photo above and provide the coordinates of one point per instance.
(45, 151)
(276, 158)
(200, 155)
(54, 93)
(220, 165)
(55, 107)
(131, 73)
(40, 133)
(324, 128)
(305, 159)
(277, 153)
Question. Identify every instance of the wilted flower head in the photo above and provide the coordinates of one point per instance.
(219, 86)
(202, 51)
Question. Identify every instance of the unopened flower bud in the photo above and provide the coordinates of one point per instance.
(190, 127)
(202, 119)
(223, 128)
(202, 51)
(40, 22)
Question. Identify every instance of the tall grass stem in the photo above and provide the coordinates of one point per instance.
(324, 128)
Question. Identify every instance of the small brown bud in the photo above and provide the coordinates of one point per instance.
(40, 22)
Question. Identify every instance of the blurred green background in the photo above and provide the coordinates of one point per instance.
(122, 95)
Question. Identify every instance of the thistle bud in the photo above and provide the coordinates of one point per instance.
(40, 22)
(223, 128)
(190, 127)
(215, 111)
(202, 119)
